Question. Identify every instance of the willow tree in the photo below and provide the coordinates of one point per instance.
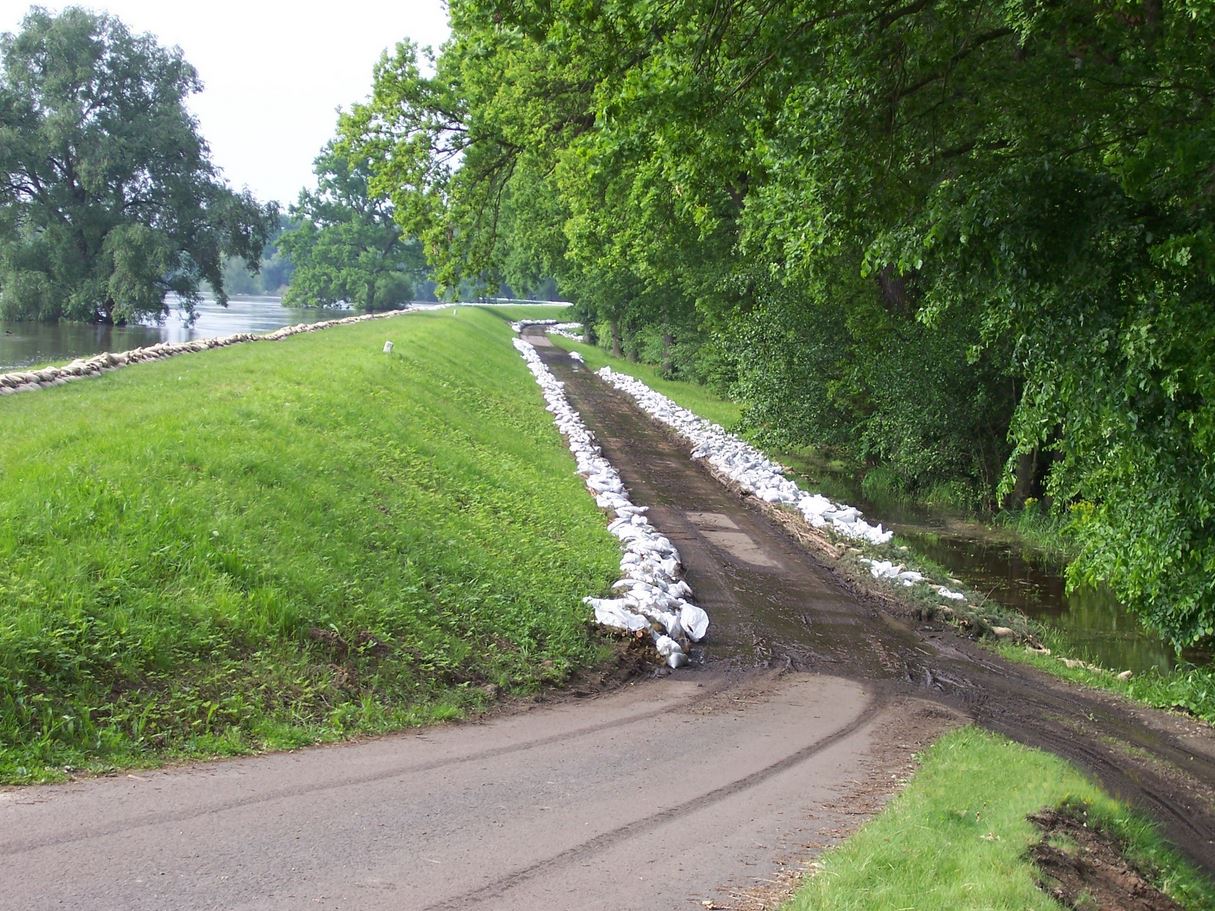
(346, 246)
(108, 197)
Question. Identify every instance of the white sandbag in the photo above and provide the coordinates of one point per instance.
(694, 620)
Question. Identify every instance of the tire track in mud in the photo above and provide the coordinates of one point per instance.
(791, 610)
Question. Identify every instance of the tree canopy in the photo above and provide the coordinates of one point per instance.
(345, 246)
(108, 196)
(971, 243)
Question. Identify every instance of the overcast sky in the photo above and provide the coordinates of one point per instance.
(274, 72)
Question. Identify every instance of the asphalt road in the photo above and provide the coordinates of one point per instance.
(662, 795)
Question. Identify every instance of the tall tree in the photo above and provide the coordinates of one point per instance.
(346, 246)
(969, 241)
(108, 196)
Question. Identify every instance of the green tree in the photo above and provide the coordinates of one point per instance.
(108, 197)
(346, 248)
(967, 241)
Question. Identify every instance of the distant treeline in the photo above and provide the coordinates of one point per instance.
(971, 245)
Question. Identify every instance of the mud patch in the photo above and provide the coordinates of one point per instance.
(1082, 866)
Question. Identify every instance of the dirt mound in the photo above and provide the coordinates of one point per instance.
(1082, 866)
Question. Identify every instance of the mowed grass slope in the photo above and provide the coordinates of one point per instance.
(276, 543)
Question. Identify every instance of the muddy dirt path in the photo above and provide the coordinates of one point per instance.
(775, 604)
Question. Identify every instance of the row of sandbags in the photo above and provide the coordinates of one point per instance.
(896, 572)
(28, 380)
(569, 330)
(764, 478)
(745, 465)
(651, 594)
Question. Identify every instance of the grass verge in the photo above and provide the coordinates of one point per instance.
(273, 544)
(957, 836)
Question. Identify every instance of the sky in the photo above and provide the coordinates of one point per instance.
(274, 73)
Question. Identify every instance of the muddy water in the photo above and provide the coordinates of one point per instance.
(34, 344)
(1092, 621)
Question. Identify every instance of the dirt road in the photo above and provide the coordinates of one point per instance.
(800, 718)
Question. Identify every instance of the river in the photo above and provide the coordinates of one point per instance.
(33, 344)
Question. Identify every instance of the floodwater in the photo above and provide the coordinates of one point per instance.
(996, 565)
(33, 344)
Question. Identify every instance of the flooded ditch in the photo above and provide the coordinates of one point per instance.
(995, 564)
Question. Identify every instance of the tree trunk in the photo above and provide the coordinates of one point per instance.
(1026, 483)
(896, 296)
(668, 354)
(617, 341)
(369, 305)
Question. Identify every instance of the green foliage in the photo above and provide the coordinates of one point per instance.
(345, 247)
(274, 269)
(968, 244)
(109, 199)
(276, 543)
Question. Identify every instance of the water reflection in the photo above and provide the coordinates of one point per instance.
(1095, 625)
(33, 344)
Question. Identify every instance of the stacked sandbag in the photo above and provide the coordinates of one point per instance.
(746, 466)
(651, 595)
(23, 381)
(569, 330)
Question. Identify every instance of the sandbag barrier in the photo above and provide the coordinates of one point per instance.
(745, 465)
(569, 330)
(651, 595)
(752, 471)
(29, 380)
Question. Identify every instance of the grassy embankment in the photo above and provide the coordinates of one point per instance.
(957, 836)
(1188, 688)
(279, 543)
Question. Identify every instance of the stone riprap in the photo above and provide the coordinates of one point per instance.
(745, 465)
(29, 380)
(651, 594)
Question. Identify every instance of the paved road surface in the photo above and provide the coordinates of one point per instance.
(658, 796)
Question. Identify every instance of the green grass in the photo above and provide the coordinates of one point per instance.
(279, 543)
(957, 836)
(1046, 532)
(1187, 688)
(512, 312)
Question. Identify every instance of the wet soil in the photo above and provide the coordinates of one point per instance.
(776, 603)
(1084, 868)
